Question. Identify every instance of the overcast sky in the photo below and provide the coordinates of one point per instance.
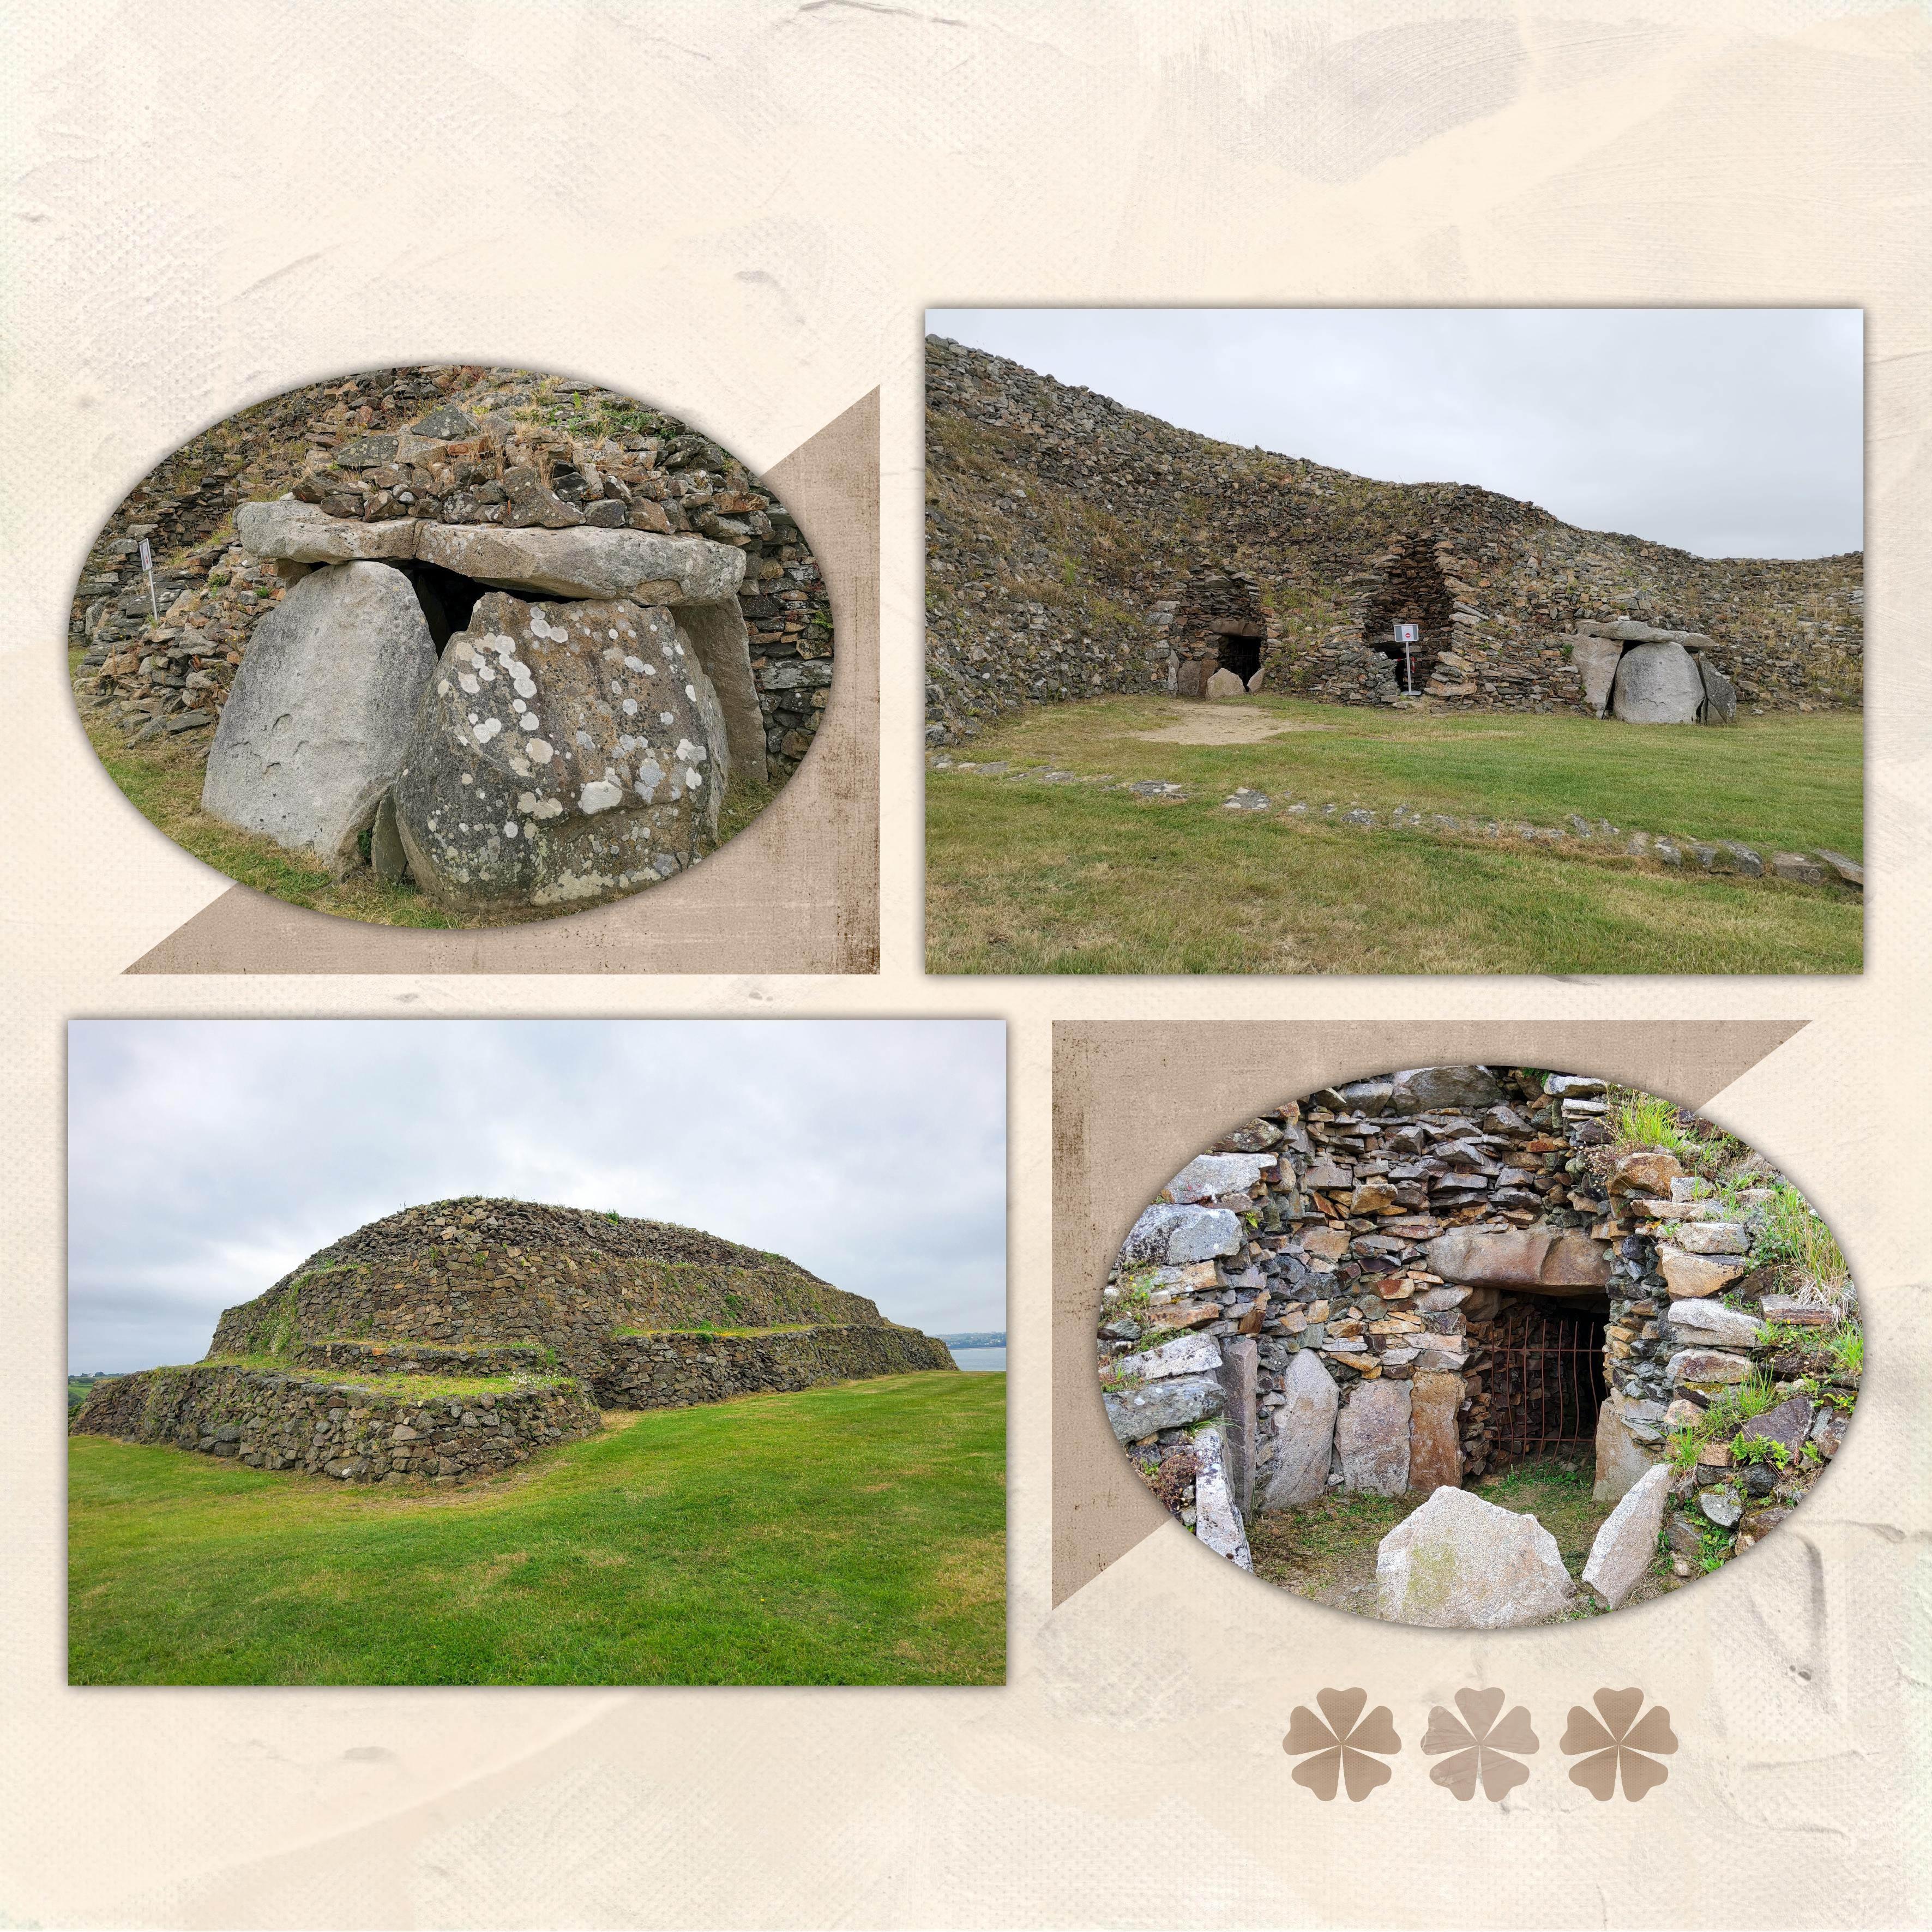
(206, 1158)
(1724, 432)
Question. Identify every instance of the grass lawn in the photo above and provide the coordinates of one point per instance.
(1326, 1550)
(162, 777)
(853, 1533)
(1028, 878)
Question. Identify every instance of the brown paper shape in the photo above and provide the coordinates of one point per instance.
(797, 891)
(1134, 1101)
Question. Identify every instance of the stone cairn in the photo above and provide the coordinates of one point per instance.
(549, 490)
(1334, 1297)
(449, 1340)
(1058, 524)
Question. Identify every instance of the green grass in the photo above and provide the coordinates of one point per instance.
(853, 1533)
(403, 1388)
(1027, 878)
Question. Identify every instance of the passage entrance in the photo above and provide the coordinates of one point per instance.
(1546, 1381)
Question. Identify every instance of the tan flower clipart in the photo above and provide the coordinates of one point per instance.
(1481, 1743)
(1341, 1746)
(1620, 1747)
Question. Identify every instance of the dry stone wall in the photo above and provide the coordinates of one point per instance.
(1060, 524)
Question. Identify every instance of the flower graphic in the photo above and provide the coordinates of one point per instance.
(1341, 1745)
(1480, 1743)
(1620, 1747)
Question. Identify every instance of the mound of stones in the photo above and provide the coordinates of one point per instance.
(1346, 1294)
(456, 481)
(359, 1357)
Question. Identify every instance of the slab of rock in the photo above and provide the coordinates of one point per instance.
(1458, 1563)
(1217, 1522)
(387, 859)
(1596, 659)
(1620, 1556)
(1304, 1433)
(1188, 1355)
(1372, 1437)
(1178, 1403)
(562, 758)
(1621, 1462)
(302, 533)
(1697, 1324)
(1576, 1086)
(1698, 1277)
(1658, 684)
(1543, 1261)
(1724, 1505)
(1720, 694)
(1435, 1443)
(1241, 1364)
(717, 633)
(1645, 1171)
(632, 565)
(1707, 1368)
(1714, 1237)
(1174, 1235)
(314, 733)
(1213, 1175)
(1424, 1090)
(1787, 1425)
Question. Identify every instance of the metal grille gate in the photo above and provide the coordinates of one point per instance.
(1546, 1383)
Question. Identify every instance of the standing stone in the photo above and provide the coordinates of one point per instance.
(1217, 1522)
(316, 722)
(717, 633)
(1224, 684)
(1658, 684)
(1596, 659)
(561, 759)
(387, 859)
(1627, 1540)
(1435, 1443)
(1239, 1364)
(1720, 694)
(1621, 1463)
(1372, 1436)
(1304, 1433)
(1458, 1563)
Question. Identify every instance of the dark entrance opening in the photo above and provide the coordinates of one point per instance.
(1241, 656)
(1547, 1379)
(1413, 592)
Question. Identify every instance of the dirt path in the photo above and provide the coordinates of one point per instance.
(1222, 724)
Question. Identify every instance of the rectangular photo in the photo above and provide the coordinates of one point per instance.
(509, 1352)
(1394, 641)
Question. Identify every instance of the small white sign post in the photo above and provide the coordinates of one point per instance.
(1408, 636)
(148, 570)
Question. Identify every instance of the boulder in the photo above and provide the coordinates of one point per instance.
(1188, 1355)
(303, 533)
(1366, 1096)
(1658, 684)
(1698, 1277)
(1596, 659)
(1225, 683)
(632, 565)
(1213, 1175)
(1724, 1505)
(1173, 1235)
(1621, 1461)
(1620, 1556)
(1424, 1090)
(1304, 1433)
(1372, 1437)
(1217, 1522)
(1435, 1443)
(1542, 1260)
(1706, 1368)
(1458, 1563)
(1645, 1171)
(1698, 1324)
(314, 730)
(1720, 694)
(1176, 1403)
(717, 633)
(1713, 1237)
(562, 758)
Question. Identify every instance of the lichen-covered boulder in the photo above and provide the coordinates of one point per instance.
(1720, 694)
(1658, 684)
(563, 757)
(1596, 659)
(1459, 1563)
(314, 730)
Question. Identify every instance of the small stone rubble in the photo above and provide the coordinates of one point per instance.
(372, 1361)
(1676, 852)
(457, 479)
(1075, 547)
(1353, 1293)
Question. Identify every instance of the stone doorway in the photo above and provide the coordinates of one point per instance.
(1412, 591)
(1219, 624)
(1546, 1378)
(1242, 655)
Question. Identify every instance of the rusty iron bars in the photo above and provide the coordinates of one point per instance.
(1547, 1384)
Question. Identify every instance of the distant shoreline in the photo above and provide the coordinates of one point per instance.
(986, 1339)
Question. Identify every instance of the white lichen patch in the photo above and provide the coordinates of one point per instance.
(599, 795)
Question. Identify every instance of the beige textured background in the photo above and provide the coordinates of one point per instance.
(744, 210)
